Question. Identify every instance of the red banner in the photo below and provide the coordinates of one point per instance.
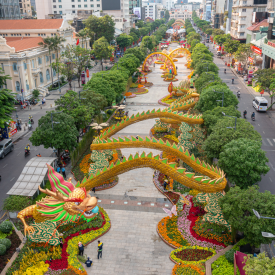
(238, 262)
(250, 59)
(256, 50)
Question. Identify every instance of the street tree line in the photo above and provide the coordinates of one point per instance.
(238, 150)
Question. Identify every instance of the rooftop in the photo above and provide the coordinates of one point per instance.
(31, 177)
(256, 27)
(31, 24)
(23, 43)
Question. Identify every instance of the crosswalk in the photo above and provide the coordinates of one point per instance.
(268, 142)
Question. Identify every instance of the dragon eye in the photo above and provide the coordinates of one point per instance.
(77, 203)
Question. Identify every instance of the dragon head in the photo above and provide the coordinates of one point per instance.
(65, 202)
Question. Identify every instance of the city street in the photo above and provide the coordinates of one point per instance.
(264, 123)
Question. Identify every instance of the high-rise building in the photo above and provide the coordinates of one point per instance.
(9, 9)
(151, 11)
(25, 8)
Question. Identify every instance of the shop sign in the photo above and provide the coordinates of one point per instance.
(12, 128)
(271, 44)
(250, 59)
(256, 50)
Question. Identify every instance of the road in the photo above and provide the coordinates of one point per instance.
(263, 124)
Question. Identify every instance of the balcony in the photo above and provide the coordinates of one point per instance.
(36, 70)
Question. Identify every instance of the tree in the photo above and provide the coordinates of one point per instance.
(95, 100)
(124, 40)
(33, 11)
(147, 42)
(100, 27)
(135, 31)
(222, 135)
(237, 207)
(129, 62)
(244, 51)
(265, 80)
(231, 46)
(193, 36)
(200, 48)
(137, 52)
(102, 49)
(133, 36)
(217, 32)
(243, 161)
(48, 44)
(194, 43)
(222, 38)
(206, 66)
(166, 15)
(61, 135)
(211, 97)
(208, 31)
(211, 117)
(6, 101)
(198, 57)
(81, 111)
(259, 265)
(82, 34)
(204, 79)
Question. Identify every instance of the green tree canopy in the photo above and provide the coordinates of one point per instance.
(137, 52)
(206, 66)
(147, 42)
(100, 27)
(144, 31)
(61, 135)
(244, 51)
(124, 40)
(194, 43)
(135, 31)
(243, 161)
(217, 32)
(222, 135)
(129, 62)
(200, 48)
(222, 38)
(199, 57)
(192, 36)
(102, 49)
(205, 79)
(134, 37)
(210, 95)
(237, 207)
(166, 15)
(6, 101)
(211, 117)
(95, 100)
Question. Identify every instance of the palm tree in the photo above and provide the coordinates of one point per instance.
(82, 34)
(57, 45)
(48, 44)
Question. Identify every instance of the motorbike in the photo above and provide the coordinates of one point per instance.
(244, 115)
(29, 126)
(232, 81)
(27, 152)
(253, 118)
(238, 95)
(31, 119)
(225, 71)
(65, 157)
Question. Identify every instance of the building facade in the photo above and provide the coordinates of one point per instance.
(25, 8)
(242, 16)
(182, 11)
(151, 10)
(9, 9)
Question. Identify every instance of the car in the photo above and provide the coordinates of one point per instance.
(260, 103)
(6, 146)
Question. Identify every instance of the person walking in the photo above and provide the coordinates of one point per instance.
(58, 169)
(80, 248)
(63, 172)
(93, 189)
(99, 249)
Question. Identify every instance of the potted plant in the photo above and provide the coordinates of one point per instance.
(14, 204)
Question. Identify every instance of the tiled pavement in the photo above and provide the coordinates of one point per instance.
(134, 205)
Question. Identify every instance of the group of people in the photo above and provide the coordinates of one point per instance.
(61, 169)
(89, 261)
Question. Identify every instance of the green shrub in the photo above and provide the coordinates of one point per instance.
(109, 112)
(236, 247)
(6, 226)
(6, 243)
(2, 249)
(16, 203)
(229, 255)
(35, 93)
(222, 266)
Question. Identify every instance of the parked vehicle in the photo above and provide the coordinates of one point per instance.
(260, 103)
(6, 146)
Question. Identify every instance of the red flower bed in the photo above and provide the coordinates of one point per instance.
(63, 262)
(194, 214)
(193, 254)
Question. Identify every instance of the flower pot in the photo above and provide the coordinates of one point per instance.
(13, 215)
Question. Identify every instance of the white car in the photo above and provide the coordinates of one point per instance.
(260, 103)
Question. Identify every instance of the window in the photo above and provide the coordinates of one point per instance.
(48, 75)
(54, 1)
(72, 0)
(243, 18)
(254, 9)
(54, 6)
(79, 6)
(60, 6)
(244, 2)
(2, 66)
(85, 6)
(79, 0)
(60, 12)
(92, 0)
(17, 84)
(47, 58)
(25, 65)
(59, 0)
(98, 5)
(261, 9)
(73, 11)
(73, 6)
(32, 63)
(92, 5)
(39, 60)
(14, 66)
(55, 12)
(243, 10)
(53, 55)
(242, 34)
(41, 77)
(242, 26)
(85, 0)
(27, 85)
(54, 72)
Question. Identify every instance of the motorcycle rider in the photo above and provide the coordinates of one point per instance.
(232, 80)
(253, 116)
(244, 113)
(238, 93)
(225, 71)
(28, 148)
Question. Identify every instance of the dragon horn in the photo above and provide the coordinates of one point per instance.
(57, 195)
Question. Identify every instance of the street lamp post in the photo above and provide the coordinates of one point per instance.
(222, 96)
(264, 234)
(235, 121)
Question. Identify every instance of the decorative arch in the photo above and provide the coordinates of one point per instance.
(174, 67)
(178, 49)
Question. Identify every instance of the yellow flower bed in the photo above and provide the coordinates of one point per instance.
(39, 269)
(84, 164)
(194, 192)
(172, 137)
(72, 248)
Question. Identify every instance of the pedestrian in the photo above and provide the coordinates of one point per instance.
(63, 172)
(99, 249)
(61, 242)
(17, 126)
(136, 137)
(93, 189)
(21, 103)
(58, 169)
(125, 98)
(89, 262)
(80, 248)
(124, 101)
(39, 155)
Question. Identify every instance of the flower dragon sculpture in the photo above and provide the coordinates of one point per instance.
(64, 203)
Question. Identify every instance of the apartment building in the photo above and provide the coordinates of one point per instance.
(218, 9)
(182, 11)
(151, 10)
(25, 8)
(9, 9)
(242, 16)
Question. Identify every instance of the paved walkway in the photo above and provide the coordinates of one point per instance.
(134, 205)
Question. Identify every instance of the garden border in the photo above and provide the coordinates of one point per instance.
(171, 245)
(162, 103)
